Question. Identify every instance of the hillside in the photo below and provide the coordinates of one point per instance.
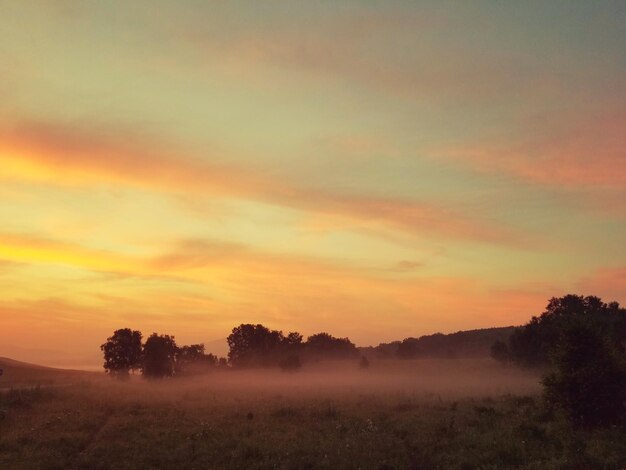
(22, 373)
(470, 343)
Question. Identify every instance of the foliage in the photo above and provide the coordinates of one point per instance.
(364, 363)
(193, 360)
(581, 339)
(159, 356)
(383, 350)
(257, 345)
(122, 352)
(254, 345)
(589, 378)
(533, 344)
(325, 346)
(292, 343)
(471, 343)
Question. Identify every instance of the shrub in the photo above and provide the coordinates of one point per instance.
(589, 380)
(534, 343)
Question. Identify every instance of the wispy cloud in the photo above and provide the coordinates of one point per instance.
(79, 155)
(584, 151)
(399, 52)
(274, 288)
(374, 171)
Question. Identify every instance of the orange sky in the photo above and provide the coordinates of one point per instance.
(373, 170)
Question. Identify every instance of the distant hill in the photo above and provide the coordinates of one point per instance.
(471, 343)
(22, 373)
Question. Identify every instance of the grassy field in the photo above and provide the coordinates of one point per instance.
(21, 374)
(408, 414)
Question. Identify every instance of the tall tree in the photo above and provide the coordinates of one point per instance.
(588, 381)
(193, 360)
(323, 345)
(159, 356)
(292, 343)
(254, 345)
(534, 343)
(122, 352)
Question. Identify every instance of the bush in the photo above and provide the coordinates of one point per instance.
(589, 379)
(534, 343)
(159, 356)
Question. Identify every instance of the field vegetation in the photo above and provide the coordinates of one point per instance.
(394, 414)
(552, 395)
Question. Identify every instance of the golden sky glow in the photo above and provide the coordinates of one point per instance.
(376, 170)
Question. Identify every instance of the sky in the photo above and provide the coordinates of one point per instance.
(376, 170)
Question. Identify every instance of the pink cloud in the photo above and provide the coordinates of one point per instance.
(585, 151)
(81, 155)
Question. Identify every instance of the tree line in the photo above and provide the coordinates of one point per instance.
(471, 343)
(256, 345)
(159, 356)
(580, 343)
(249, 346)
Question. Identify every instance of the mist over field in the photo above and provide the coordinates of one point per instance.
(548, 394)
(278, 401)
(289, 234)
(325, 415)
(444, 377)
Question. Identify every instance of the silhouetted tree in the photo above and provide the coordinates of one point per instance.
(409, 348)
(500, 352)
(193, 360)
(532, 344)
(589, 377)
(159, 356)
(364, 363)
(293, 338)
(292, 343)
(323, 345)
(122, 352)
(472, 343)
(254, 345)
(388, 350)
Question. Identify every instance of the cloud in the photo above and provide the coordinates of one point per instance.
(204, 261)
(24, 248)
(584, 151)
(214, 263)
(287, 292)
(399, 52)
(79, 155)
(219, 285)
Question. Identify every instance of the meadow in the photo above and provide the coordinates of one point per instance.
(418, 414)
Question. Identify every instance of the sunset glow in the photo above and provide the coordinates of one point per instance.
(374, 170)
